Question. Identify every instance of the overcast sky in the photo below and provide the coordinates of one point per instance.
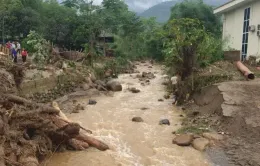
(138, 5)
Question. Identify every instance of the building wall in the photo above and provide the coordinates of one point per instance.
(233, 29)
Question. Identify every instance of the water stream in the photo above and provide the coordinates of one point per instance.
(132, 144)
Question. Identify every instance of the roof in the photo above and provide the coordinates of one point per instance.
(231, 5)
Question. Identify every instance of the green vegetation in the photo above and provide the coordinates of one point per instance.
(192, 129)
(190, 39)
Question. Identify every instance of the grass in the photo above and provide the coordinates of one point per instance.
(192, 129)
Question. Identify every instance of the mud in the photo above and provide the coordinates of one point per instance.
(233, 108)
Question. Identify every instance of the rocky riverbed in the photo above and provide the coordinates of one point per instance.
(137, 123)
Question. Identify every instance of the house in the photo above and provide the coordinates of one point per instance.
(241, 26)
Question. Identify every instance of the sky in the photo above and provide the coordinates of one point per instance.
(137, 5)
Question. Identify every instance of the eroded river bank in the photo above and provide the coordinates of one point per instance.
(140, 144)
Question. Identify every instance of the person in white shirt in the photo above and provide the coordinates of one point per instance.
(18, 48)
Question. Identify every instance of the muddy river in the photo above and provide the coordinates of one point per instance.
(132, 144)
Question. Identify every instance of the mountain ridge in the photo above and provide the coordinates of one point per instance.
(162, 11)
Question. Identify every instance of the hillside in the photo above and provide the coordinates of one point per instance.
(162, 10)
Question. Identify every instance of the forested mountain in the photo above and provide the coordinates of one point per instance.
(162, 10)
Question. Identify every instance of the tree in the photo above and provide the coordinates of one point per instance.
(181, 49)
(196, 9)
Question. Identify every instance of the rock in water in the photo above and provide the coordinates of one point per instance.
(114, 86)
(78, 108)
(137, 119)
(183, 140)
(92, 102)
(164, 122)
(166, 96)
(134, 90)
(200, 144)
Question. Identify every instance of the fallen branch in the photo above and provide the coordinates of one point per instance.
(92, 142)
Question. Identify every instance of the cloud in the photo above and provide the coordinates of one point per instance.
(135, 5)
(141, 5)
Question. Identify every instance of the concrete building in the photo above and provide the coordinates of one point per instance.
(241, 26)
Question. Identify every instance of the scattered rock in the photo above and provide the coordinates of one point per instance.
(148, 75)
(147, 81)
(143, 84)
(114, 86)
(78, 108)
(150, 67)
(92, 102)
(110, 93)
(142, 61)
(85, 87)
(166, 96)
(164, 122)
(160, 100)
(108, 73)
(144, 108)
(174, 132)
(99, 82)
(181, 115)
(75, 111)
(200, 144)
(101, 88)
(88, 80)
(93, 77)
(183, 140)
(134, 90)
(114, 76)
(213, 136)
(137, 119)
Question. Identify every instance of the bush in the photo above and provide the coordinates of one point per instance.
(210, 51)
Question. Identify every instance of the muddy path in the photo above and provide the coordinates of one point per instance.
(139, 144)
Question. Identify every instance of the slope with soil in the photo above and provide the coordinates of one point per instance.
(233, 108)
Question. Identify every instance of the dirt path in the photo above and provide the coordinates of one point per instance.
(139, 144)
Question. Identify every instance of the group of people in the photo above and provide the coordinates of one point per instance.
(15, 50)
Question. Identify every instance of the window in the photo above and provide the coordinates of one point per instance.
(245, 33)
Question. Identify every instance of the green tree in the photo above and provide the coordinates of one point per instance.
(196, 9)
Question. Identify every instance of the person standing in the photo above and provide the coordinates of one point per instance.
(8, 46)
(18, 48)
(24, 55)
(14, 52)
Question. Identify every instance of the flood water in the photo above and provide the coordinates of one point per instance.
(132, 144)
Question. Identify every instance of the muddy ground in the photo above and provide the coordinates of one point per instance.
(233, 109)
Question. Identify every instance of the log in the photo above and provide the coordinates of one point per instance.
(92, 142)
(25, 102)
(63, 117)
(78, 145)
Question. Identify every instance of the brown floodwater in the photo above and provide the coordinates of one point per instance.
(132, 144)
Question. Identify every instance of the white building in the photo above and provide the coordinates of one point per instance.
(241, 26)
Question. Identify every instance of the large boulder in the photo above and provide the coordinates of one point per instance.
(114, 85)
(183, 140)
(200, 144)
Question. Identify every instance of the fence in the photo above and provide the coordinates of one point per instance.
(4, 50)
